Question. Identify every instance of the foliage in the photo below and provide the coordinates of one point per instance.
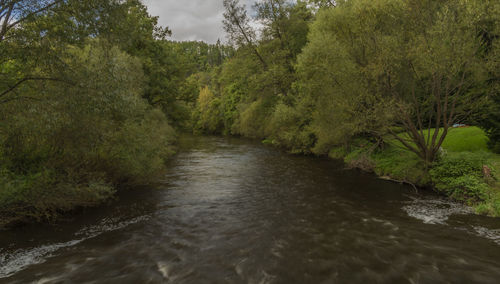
(489, 116)
(75, 143)
(89, 91)
(401, 165)
(74, 125)
(373, 65)
(460, 175)
(248, 87)
(289, 128)
(209, 117)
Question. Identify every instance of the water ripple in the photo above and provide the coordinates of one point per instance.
(13, 262)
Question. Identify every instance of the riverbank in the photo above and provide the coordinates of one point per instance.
(232, 210)
(466, 170)
(48, 192)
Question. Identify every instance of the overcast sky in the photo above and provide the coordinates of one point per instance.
(191, 19)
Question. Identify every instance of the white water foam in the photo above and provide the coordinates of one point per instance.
(164, 269)
(493, 235)
(435, 211)
(16, 261)
(13, 262)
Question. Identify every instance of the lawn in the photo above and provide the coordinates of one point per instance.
(467, 139)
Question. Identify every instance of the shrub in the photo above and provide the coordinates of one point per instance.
(360, 158)
(290, 128)
(208, 115)
(460, 176)
(253, 119)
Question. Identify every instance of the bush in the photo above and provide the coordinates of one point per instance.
(208, 114)
(290, 128)
(42, 195)
(253, 119)
(460, 176)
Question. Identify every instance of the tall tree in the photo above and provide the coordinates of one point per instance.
(237, 26)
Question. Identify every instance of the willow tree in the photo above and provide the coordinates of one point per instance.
(378, 66)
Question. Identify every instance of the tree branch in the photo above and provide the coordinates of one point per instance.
(6, 26)
(26, 79)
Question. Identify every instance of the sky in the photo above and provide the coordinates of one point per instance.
(191, 19)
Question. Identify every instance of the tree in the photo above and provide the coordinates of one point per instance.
(444, 66)
(323, 3)
(250, 84)
(35, 34)
(13, 61)
(237, 26)
(14, 12)
(489, 30)
(284, 33)
(74, 122)
(376, 65)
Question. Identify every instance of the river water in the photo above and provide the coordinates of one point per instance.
(234, 211)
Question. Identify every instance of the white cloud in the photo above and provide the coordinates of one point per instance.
(191, 19)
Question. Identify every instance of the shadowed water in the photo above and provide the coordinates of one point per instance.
(234, 211)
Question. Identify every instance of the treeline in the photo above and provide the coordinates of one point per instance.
(90, 94)
(356, 78)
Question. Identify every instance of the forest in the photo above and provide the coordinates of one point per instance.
(94, 93)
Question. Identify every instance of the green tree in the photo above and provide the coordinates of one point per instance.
(74, 122)
(373, 65)
(261, 72)
(237, 26)
(75, 143)
(489, 30)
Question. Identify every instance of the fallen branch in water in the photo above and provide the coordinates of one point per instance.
(399, 181)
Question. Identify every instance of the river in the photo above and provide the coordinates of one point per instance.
(234, 211)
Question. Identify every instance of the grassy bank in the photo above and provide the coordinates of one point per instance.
(466, 170)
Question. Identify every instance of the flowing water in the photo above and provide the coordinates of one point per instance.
(234, 211)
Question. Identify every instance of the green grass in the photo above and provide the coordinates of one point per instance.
(466, 139)
(469, 139)
(400, 164)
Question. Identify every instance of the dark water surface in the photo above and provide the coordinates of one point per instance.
(234, 211)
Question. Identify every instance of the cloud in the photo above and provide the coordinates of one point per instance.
(191, 19)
